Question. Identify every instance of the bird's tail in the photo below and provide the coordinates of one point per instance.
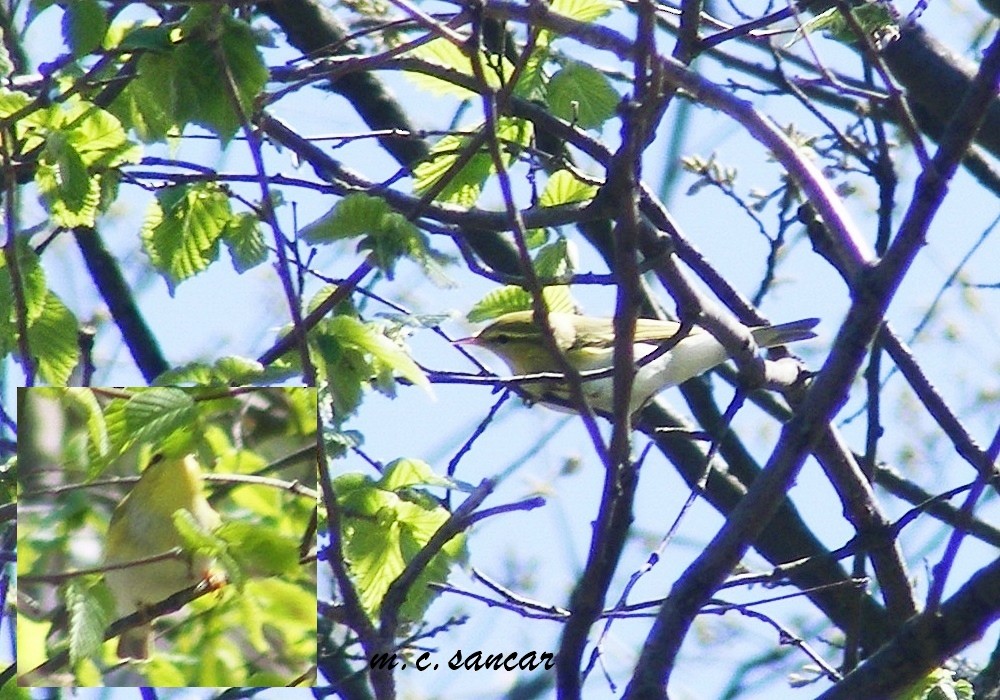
(769, 336)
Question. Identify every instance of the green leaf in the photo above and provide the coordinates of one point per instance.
(292, 609)
(81, 142)
(190, 74)
(71, 196)
(52, 338)
(259, 550)
(226, 371)
(83, 26)
(161, 673)
(109, 187)
(407, 473)
(356, 355)
(84, 402)
(531, 83)
(12, 101)
(33, 289)
(873, 18)
(582, 95)
(88, 617)
(182, 231)
(148, 104)
(386, 233)
(536, 237)
(6, 64)
(939, 684)
(444, 53)
(245, 242)
(557, 259)
(199, 539)
(52, 328)
(512, 298)
(147, 37)
(383, 530)
(151, 415)
(584, 10)
(464, 186)
(217, 54)
(99, 136)
(563, 187)
(70, 193)
(339, 442)
(354, 215)
(382, 350)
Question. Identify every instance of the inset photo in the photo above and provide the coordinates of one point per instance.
(166, 537)
(8, 543)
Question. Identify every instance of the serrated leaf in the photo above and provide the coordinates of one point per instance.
(384, 231)
(511, 298)
(558, 259)
(407, 473)
(259, 550)
(148, 103)
(531, 83)
(145, 36)
(34, 290)
(99, 136)
(71, 194)
(83, 401)
(441, 52)
(52, 337)
(563, 187)
(245, 242)
(152, 414)
(382, 532)
(873, 18)
(183, 228)
(12, 101)
(78, 208)
(354, 215)
(444, 53)
(463, 187)
(584, 10)
(81, 141)
(83, 26)
(351, 332)
(238, 370)
(6, 64)
(225, 371)
(88, 618)
(582, 95)
(216, 50)
(356, 355)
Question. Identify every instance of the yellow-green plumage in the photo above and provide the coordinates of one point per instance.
(142, 526)
(588, 344)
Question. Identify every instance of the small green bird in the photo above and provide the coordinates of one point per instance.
(588, 344)
(142, 526)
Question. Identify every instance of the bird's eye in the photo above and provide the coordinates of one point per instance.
(502, 338)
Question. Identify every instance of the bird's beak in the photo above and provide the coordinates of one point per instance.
(471, 340)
